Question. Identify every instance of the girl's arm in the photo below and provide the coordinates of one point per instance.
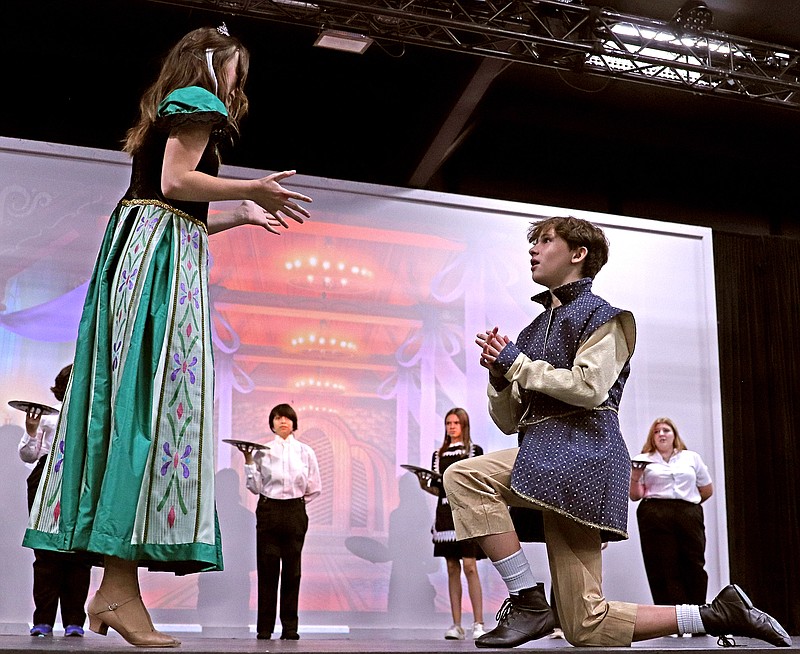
(180, 180)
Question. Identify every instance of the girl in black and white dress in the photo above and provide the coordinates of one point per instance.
(457, 445)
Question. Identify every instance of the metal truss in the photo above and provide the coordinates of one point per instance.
(554, 34)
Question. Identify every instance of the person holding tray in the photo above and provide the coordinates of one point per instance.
(457, 445)
(284, 473)
(57, 577)
(672, 483)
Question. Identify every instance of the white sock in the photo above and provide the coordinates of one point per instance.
(516, 572)
(689, 621)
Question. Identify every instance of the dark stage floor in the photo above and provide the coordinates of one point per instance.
(367, 641)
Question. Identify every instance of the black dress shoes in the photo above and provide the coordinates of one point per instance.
(732, 612)
(522, 618)
(263, 635)
(290, 635)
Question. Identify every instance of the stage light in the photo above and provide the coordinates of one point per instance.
(693, 16)
(298, 4)
(344, 41)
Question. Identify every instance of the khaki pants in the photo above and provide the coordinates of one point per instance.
(479, 492)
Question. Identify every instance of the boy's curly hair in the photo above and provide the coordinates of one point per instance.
(577, 233)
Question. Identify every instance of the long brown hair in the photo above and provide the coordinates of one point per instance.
(463, 418)
(650, 444)
(186, 65)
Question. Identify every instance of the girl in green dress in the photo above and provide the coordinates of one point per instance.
(131, 475)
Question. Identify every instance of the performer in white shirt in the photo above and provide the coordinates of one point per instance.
(285, 477)
(672, 483)
(57, 576)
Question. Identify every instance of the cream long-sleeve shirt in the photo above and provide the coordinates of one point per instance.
(597, 366)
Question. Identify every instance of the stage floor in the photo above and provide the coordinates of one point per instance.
(366, 641)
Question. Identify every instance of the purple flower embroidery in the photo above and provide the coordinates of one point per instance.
(184, 367)
(127, 280)
(185, 460)
(60, 456)
(173, 459)
(190, 294)
(117, 348)
(187, 238)
(146, 223)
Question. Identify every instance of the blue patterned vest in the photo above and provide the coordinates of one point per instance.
(572, 460)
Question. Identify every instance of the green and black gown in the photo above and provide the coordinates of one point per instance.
(131, 472)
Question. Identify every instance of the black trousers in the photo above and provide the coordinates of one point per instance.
(57, 576)
(673, 537)
(281, 527)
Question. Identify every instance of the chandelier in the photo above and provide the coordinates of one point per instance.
(322, 344)
(328, 275)
(316, 408)
(317, 384)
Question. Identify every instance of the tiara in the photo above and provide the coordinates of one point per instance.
(223, 29)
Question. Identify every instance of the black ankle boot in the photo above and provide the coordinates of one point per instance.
(522, 618)
(732, 612)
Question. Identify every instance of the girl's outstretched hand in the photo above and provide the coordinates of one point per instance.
(250, 213)
(280, 203)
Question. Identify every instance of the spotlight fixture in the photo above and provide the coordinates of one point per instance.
(693, 16)
(344, 41)
(298, 4)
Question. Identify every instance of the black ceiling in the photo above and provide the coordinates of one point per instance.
(75, 70)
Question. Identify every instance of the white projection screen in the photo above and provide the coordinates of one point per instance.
(364, 320)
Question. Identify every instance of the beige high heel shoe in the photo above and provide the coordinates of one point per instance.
(103, 614)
